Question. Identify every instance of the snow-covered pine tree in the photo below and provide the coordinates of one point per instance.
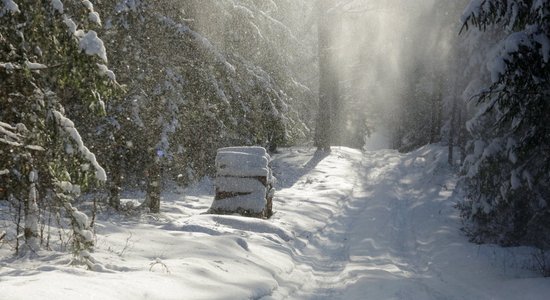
(49, 63)
(507, 172)
(469, 74)
(194, 86)
(174, 110)
(277, 103)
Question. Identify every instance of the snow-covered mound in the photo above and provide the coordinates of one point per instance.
(244, 183)
(349, 225)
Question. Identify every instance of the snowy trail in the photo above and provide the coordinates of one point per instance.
(385, 259)
(369, 243)
(348, 225)
(325, 251)
(393, 233)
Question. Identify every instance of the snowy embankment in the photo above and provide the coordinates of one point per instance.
(348, 225)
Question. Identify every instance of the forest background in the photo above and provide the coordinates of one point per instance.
(110, 95)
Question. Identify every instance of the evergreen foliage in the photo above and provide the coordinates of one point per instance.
(47, 66)
(192, 89)
(507, 172)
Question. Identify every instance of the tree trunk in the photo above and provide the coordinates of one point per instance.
(435, 126)
(432, 121)
(152, 199)
(328, 83)
(32, 213)
(116, 179)
(337, 126)
(462, 133)
(452, 132)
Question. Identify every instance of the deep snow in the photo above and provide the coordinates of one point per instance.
(348, 225)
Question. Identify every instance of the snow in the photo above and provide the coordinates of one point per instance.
(35, 66)
(104, 70)
(94, 18)
(253, 150)
(347, 225)
(88, 5)
(58, 6)
(69, 187)
(71, 25)
(92, 45)
(238, 172)
(241, 164)
(8, 131)
(7, 66)
(504, 52)
(473, 9)
(10, 7)
(33, 176)
(254, 202)
(239, 185)
(68, 126)
(80, 218)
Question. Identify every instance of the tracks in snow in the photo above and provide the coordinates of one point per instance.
(369, 246)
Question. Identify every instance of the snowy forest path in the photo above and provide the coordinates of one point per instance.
(389, 213)
(348, 225)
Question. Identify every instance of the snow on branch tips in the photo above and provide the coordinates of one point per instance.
(94, 18)
(104, 70)
(35, 66)
(9, 7)
(88, 5)
(531, 38)
(58, 6)
(68, 126)
(71, 25)
(93, 45)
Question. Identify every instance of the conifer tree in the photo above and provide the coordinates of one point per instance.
(51, 60)
(192, 89)
(507, 171)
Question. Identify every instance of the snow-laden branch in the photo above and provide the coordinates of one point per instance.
(68, 126)
(9, 7)
(91, 44)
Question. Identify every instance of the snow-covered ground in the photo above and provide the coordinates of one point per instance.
(348, 225)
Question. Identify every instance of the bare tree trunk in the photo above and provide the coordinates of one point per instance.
(328, 82)
(152, 199)
(116, 179)
(462, 133)
(436, 112)
(337, 126)
(397, 131)
(20, 210)
(452, 133)
(32, 213)
(433, 120)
